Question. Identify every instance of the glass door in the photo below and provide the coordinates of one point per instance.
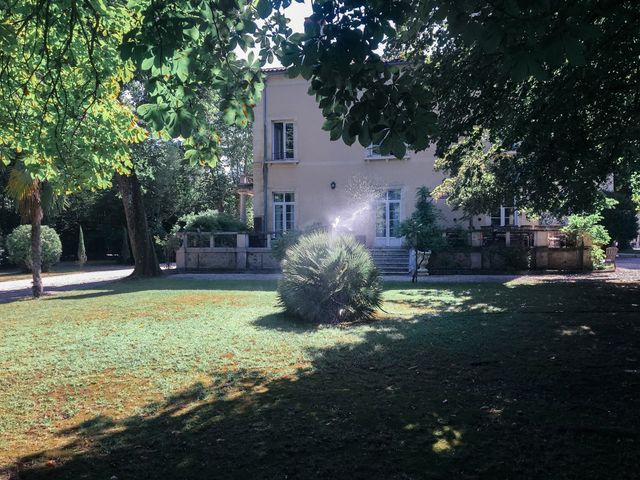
(388, 219)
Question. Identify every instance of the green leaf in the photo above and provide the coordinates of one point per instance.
(145, 108)
(264, 8)
(348, 138)
(182, 68)
(193, 32)
(229, 116)
(190, 154)
(336, 132)
(147, 63)
(396, 146)
(364, 137)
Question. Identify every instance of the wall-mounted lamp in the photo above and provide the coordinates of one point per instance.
(333, 185)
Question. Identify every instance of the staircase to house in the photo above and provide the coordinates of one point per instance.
(391, 261)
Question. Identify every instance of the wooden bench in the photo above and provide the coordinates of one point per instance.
(610, 256)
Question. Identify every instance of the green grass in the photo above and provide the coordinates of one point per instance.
(192, 379)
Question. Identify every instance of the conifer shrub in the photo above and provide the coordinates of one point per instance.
(329, 278)
(82, 252)
(19, 247)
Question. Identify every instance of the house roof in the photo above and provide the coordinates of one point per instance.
(274, 70)
(281, 69)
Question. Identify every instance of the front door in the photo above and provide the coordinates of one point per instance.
(388, 219)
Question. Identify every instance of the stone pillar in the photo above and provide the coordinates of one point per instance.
(540, 238)
(181, 253)
(243, 207)
(507, 238)
(476, 260)
(476, 239)
(542, 258)
(242, 243)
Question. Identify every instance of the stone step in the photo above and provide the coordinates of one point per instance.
(391, 261)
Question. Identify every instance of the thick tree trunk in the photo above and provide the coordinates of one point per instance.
(144, 254)
(36, 242)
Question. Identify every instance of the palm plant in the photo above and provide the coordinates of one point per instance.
(32, 198)
(329, 279)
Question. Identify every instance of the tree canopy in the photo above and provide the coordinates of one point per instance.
(535, 102)
(64, 64)
(60, 77)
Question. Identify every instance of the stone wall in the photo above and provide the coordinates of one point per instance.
(490, 257)
(240, 258)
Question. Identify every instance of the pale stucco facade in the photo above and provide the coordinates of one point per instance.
(324, 180)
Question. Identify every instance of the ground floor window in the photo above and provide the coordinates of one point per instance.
(284, 211)
(388, 218)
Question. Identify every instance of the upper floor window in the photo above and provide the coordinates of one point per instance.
(373, 152)
(505, 217)
(283, 141)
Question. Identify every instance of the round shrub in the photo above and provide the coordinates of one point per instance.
(19, 247)
(329, 279)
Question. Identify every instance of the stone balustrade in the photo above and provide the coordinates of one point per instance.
(222, 251)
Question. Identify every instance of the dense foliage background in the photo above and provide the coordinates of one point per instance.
(173, 188)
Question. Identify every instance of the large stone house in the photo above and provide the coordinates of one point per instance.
(301, 178)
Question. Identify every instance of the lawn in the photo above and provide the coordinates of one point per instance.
(193, 379)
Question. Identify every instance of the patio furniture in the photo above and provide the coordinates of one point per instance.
(611, 254)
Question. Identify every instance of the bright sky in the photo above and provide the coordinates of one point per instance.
(296, 12)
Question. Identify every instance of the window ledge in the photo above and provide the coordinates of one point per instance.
(287, 161)
(384, 158)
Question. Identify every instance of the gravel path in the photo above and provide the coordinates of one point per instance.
(628, 271)
(16, 289)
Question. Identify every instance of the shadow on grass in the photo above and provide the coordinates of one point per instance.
(534, 392)
(283, 323)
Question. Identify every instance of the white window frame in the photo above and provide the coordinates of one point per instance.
(370, 155)
(504, 215)
(284, 204)
(294, 153)
(388, 240)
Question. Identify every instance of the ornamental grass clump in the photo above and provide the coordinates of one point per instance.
(329, 278)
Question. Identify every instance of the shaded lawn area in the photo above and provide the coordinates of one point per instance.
(192, 379)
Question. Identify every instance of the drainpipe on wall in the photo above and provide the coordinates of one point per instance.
(265, 165)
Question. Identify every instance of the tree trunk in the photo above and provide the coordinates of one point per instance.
(144, 254)
(36, 241)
